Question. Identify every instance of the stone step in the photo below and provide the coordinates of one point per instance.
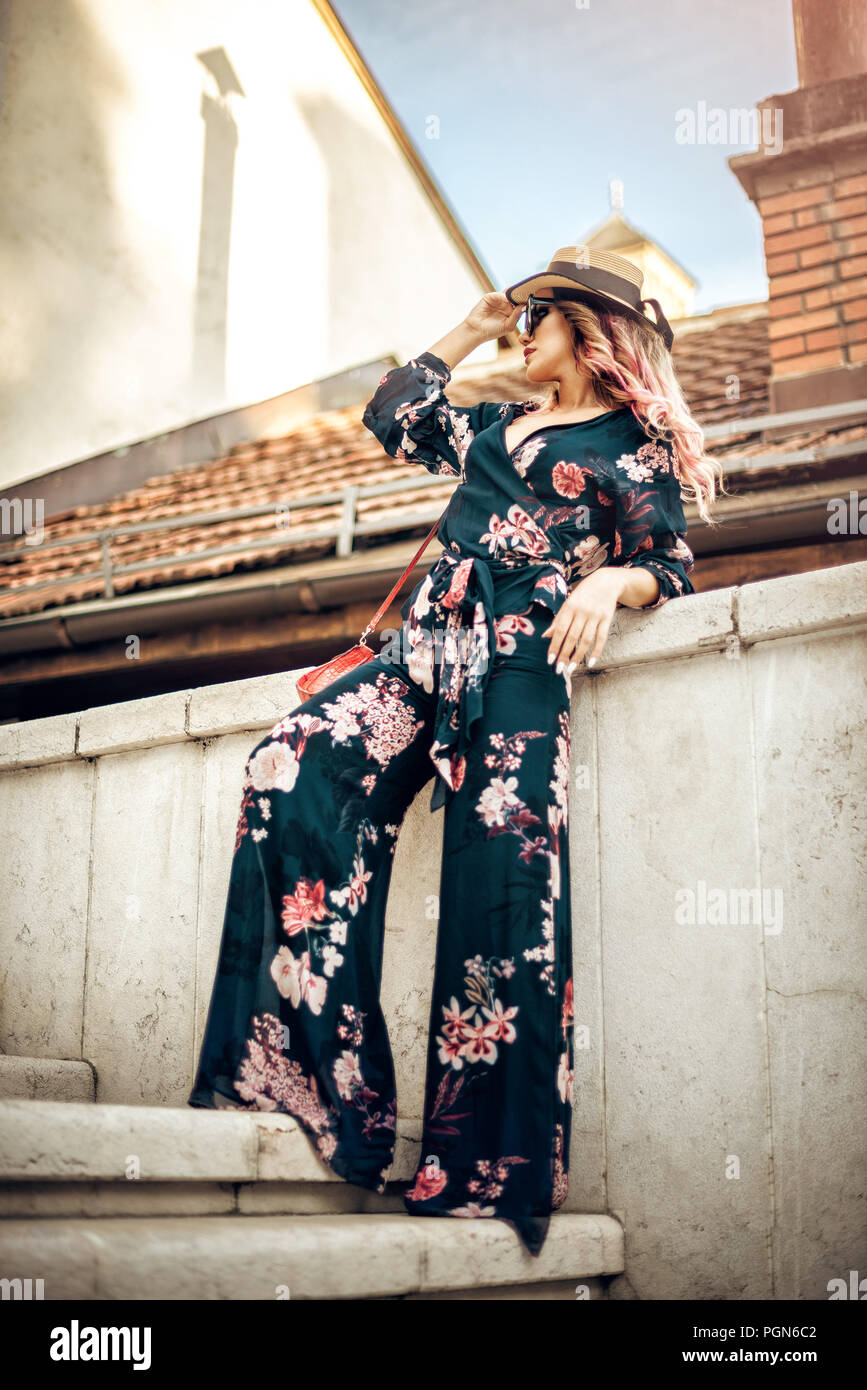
(46, 1078)
(350, 1256)
(59, 1159)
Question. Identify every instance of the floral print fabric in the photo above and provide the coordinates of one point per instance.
(468, 698)
(570, 497)
(522, 528)
(295, 1023)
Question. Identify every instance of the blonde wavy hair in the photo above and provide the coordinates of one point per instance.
(629, 364)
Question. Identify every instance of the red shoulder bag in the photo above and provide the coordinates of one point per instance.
(321, 676)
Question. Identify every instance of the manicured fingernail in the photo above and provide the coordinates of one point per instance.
(591, 661)
(572, 666)
(559, 668)
(550, 657)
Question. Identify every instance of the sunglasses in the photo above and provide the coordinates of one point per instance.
(537, 308)
(534, 313)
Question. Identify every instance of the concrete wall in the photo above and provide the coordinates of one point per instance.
(200, 208)
(719, 1096)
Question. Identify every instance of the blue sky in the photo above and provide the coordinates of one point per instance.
(540, 103)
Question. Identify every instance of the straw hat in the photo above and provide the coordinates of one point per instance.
(603, 279)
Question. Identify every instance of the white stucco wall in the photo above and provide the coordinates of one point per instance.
(169, 251)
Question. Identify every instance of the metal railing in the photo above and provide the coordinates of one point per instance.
(343, 532)
(814, 415)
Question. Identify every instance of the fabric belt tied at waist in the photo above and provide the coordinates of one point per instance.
(463, 586)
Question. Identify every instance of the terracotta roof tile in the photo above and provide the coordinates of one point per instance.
(327, 453)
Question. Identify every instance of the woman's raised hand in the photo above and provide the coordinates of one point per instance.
(493, 316)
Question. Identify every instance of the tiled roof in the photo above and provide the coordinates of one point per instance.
(329, 452)
(707, 358)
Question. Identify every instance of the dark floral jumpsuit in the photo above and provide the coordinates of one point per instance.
(463, 693)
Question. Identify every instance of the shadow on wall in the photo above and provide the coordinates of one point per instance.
(208, 368)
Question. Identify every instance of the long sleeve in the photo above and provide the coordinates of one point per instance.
(411, 416)
(649, 525)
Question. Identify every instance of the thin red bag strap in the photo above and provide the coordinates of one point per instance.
(410, 567)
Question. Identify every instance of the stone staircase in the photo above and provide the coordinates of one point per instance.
(157, 1202)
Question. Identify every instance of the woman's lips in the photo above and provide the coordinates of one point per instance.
(527, 352)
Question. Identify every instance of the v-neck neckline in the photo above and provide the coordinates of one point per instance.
(561, 425)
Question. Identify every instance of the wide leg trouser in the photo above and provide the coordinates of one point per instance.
(295, 1022)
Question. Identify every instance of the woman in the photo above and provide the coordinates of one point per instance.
(566, 506)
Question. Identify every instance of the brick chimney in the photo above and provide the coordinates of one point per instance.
(812, 197)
